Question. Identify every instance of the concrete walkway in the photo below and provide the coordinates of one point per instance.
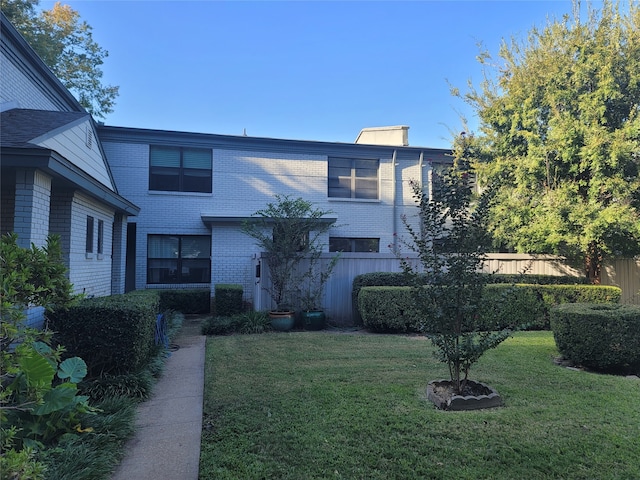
(166, 444)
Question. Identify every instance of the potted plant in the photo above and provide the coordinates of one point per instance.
(287, 230)
(311, 289)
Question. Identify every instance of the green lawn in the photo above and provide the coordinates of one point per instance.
(321, 405)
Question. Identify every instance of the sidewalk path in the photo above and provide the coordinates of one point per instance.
(166, 444)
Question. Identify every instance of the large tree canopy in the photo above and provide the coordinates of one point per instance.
(560, 131)
(66, 45)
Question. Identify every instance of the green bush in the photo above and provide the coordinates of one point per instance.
(220, 325)
(113, 334)
(137, 386)
(399, 279)
(247, 322)
(513, 307)
(534, 279)
(187, 300)
(227, 299)
(599, 336)
(390, 309)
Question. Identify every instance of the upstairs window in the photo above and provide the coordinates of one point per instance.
(176, 169)
(353, 178)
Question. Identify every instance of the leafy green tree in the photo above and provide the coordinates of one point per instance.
(559, 121)
(66, 45)
(451, 242)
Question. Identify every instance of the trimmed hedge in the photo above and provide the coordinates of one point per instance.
(227, 299)
(391, 309)
(112, 334)
(399, 279)
(388, 309)
(605, 337)
(186, 300)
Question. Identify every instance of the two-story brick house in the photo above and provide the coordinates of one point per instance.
(195, 190)
(140, 208)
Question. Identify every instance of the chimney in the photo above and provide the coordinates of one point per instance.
(396, 136)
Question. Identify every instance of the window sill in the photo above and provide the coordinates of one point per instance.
(180, 194)
(354, 200)
(88, 256)
(100, 256)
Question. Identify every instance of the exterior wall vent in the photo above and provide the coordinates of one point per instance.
(89, 137)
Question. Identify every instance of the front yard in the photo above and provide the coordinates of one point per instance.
(321, 405)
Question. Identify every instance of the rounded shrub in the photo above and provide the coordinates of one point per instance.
(599, 336)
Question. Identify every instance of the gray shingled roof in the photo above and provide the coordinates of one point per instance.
(19, 126)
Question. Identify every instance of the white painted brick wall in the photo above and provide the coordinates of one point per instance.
(243, 182)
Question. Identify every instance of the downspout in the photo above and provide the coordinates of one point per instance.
(394, 204)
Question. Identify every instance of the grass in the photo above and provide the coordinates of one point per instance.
(319, 405)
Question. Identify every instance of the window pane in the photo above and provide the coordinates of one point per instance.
(367, 188)
(162, 271)
(366, 167)
(197, 181)
(196, 158)
(164, 156)
(163, 246)
(366, 245)
(195, 271)
(165, 179)
(339, 244)
(89, 238)
(100, 236)
(196, 247)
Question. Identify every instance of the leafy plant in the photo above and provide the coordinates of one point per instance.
(310, 291)
(39, 399)
(288, 231)
(451, 243)
(254, 322)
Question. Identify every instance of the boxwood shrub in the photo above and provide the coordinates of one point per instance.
(112, 334)
(388, 309)
(227, 299)
(186, 300)
(599, 336)
(391, 309)
(399, 279)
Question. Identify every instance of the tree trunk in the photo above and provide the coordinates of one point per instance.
(593, 263)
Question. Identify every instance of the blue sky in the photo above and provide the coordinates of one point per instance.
(301, 69)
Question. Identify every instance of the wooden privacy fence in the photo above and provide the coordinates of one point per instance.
(338, 304)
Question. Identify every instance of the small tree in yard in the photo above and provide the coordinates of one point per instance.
(451, 242)
(288, 231)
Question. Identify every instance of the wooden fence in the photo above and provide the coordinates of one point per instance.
(339, 308)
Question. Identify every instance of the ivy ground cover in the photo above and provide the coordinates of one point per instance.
(318, 405)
